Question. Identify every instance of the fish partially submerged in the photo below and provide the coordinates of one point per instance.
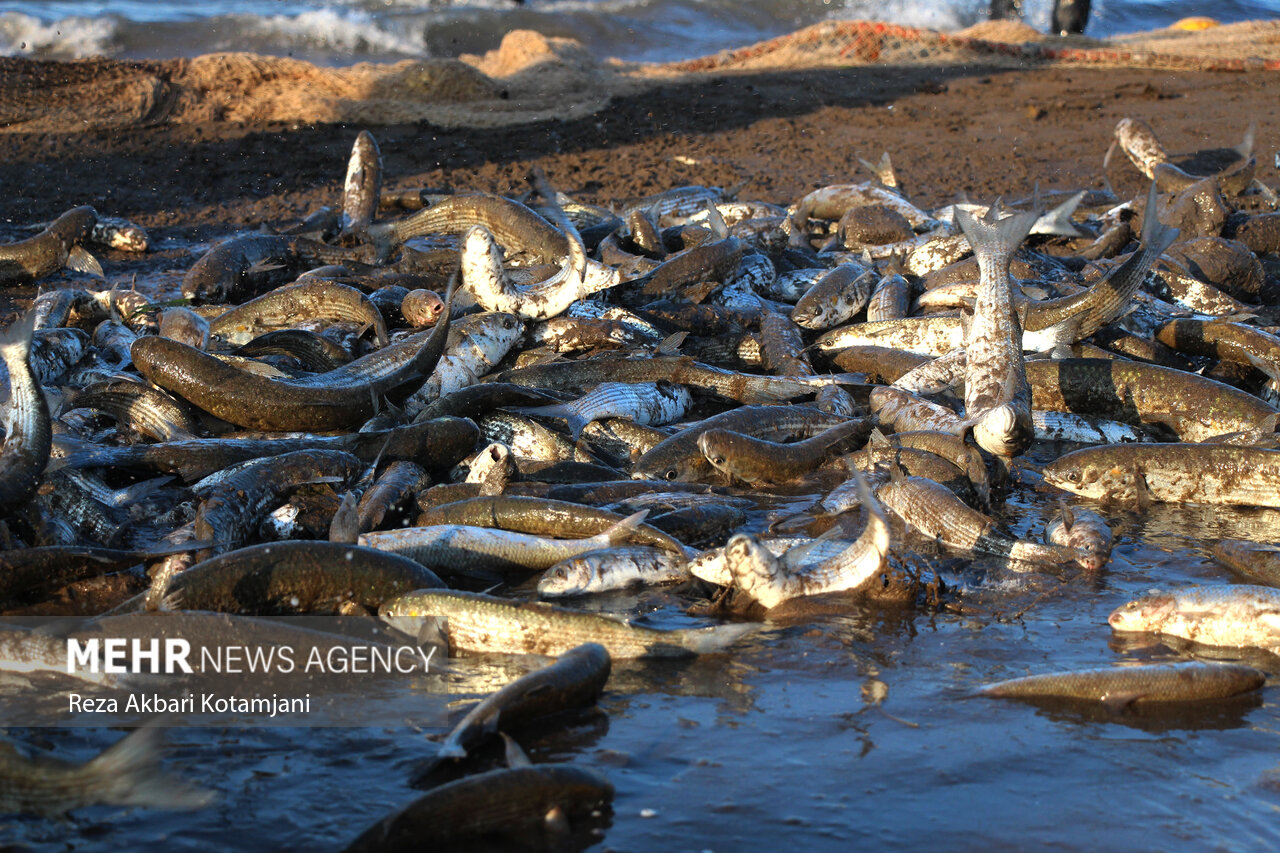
(509, 804)
(770, 581)
(125, 774)
(1118, 686)
(1237, 615)
(483, 623)
(574, 680)
(1083, 530)
(1256, 561)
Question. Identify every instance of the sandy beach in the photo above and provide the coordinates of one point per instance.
(79, 133)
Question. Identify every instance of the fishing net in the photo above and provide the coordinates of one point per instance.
(1248, 46)
(532, 77)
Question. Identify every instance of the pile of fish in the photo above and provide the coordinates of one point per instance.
(422, 406)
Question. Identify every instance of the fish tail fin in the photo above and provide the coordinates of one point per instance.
(621, 531)
(1068, 517)
(704, 641)
(15, 340)
(1245, 148)
(995, 237)
(131, 769)
(882, 171)
(1058, 221)
(452, 749)
(577, 423)
(877, 533)
(1156, 236)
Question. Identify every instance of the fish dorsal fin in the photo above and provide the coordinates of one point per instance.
(715, 221)
(671, 344)
(516, 756)
(1068, 517)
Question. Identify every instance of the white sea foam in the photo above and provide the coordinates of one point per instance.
(68, 38)
(329, 30)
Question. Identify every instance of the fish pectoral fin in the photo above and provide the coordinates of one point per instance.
(556, 823)
(1121, 701)
(433, 632)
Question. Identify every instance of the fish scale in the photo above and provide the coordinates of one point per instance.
(475, 622)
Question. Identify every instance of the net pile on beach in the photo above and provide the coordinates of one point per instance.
(532, 77)
(1247, 46)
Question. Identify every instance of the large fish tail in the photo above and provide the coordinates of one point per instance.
(15, 339)
(130, 770)
(621, 531)
(1156, 236)
(577, 423)
(1058, 221)
(994, 237)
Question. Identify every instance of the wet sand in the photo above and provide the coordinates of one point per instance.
(955, 130)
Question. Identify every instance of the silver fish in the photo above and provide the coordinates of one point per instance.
(125, 774)
(614, 568)
(1238, 615)
(651, 405)
(997, 397)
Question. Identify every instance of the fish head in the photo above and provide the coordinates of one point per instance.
(1143, 614)
(807, 314)
(1004, 432)
(749, 563)
(1091, 560)
(710, 566)
(204, 288)
(560, 579)
(1076, 474)
(714, 446)
(685, 470)
(400, 613)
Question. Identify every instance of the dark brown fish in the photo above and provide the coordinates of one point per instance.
(278, 578)
(510, 802)
(44, 254)
(575, 680)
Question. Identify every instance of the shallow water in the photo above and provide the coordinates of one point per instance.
(343, 31)
(774, 746)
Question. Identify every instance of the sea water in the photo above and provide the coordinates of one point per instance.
(344, 31)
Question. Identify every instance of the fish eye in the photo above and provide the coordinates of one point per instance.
(1073, 476)
(717, 460)
(670, 474)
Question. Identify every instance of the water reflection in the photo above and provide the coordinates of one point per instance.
(1160, 718)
